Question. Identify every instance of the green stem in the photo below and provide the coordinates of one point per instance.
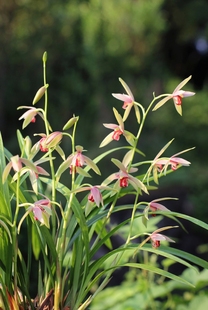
(62, 241)
(14, 237)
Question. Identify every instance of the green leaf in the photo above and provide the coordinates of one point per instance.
(102, 232)
(156, 270)
(35, 242)
(84, 264)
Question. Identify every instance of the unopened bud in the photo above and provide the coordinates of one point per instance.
(53, 139)
(71, 122)
(40, 93)
(44, 57)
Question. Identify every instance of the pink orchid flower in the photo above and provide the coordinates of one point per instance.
(128, 101)
(79, 160)
(173, 161)
(155, 206)
(177, 96)
(124, 177)
(75, 162)
(95, 196)
(50, 141)
(156, 238)
(16, 163)
(34, 169)
(42, 211)
(118, 130)
(29, 116)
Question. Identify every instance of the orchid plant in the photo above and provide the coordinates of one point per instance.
(65, 235)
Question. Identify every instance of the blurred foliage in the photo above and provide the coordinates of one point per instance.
(138, 291)
(151, 44)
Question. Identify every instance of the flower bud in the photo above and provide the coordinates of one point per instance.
(71, 122)
(44, 57)
(40, 93)
(53, 139)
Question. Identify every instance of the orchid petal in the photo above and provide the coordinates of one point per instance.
(137, 113)
(91, 164)
(123, 97)
(158, 206)
(127, 89)
(178, 108)
(107, 140)
(161, 102)
(160, 237)
(184, 82)
(118, 118)
(127, 111)
(119, 164)
(127, 158)
(138, 184)
(111, 126)
(130, 138)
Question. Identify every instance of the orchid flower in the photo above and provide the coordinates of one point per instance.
(124, 177)
(177, 96)
(29, 116)
(156, 238)
(95, 196)
(16, 163)
(50, 141)
(128, 101)
(75, 162)
(160, 164)
(173, 161)
(154, 206)
(33, 168)
(118, 130)
(41, 210)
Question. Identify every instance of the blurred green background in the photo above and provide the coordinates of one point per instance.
(151, 44)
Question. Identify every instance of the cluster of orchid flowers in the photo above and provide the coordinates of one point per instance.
(77, 161)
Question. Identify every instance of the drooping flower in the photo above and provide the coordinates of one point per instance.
(50, 141)
(127, 100)
(95, 196)
(173, 161)
(156, 238)
(33, 168)
(154, 206)
(161, 164)
(41, 210)
(15, 163)
(29, 116)
(177, 96)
